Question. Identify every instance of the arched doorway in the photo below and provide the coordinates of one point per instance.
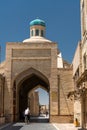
(26, 82)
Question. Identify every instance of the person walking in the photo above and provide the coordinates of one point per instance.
(27, 115)
(46, 113)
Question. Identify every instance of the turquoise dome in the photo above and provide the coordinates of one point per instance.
(37, 22)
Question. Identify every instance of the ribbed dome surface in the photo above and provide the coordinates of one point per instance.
(37, 22)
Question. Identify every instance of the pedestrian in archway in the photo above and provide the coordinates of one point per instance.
(27, 115)
(46, 113)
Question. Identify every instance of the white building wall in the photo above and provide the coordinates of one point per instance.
(84, 52)
(77, 110)
(76, 59)
(59, 61)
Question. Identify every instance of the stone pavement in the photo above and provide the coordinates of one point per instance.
(38, 126)
(66, 126)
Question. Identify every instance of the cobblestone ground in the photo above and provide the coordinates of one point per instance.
(39, 126)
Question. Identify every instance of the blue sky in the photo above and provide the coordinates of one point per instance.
(62, 19)
(43, 97)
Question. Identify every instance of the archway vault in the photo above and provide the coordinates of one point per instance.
(27, 73)
(26, 81)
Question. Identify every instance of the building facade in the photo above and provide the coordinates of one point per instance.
(36, 61)
(80, 71)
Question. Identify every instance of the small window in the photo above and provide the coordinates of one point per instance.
(42, 34)
(31, 32)
(84, 61)
(83, 4)
(37, 32)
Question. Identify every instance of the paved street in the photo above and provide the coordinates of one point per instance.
(65, 126)
(38, 126)
(31, 126)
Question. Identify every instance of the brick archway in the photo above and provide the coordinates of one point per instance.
(23, 83)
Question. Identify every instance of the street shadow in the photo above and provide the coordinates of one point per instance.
(39, 119)
(12, 127)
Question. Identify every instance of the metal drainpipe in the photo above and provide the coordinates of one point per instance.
(58, 95)
(3, 93)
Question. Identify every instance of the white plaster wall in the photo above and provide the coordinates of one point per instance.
(59, 61)
(84, 51)
(77, 111)
(76, 59)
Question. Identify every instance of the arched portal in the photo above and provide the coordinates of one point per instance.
(26, 82)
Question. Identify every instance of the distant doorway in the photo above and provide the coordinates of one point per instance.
(39, 104)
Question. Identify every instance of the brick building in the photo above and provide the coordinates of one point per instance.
(35, 61)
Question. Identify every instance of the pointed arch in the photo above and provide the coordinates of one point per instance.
(25, 82)
(24, 75)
